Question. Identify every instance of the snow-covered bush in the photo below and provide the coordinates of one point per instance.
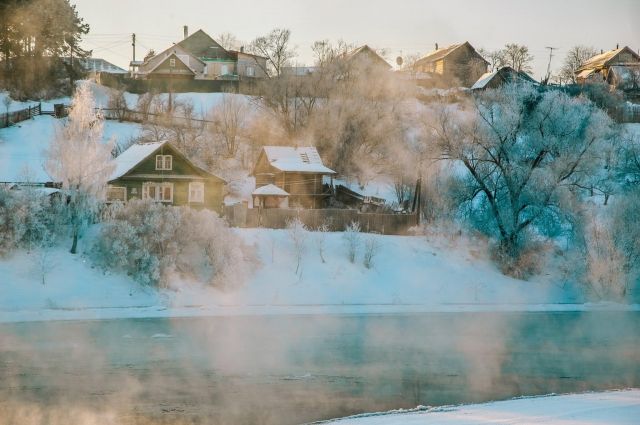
(352, 240)
(298, 233)
(26, 218)
(371, 248)
(152, 242)
(320, 239)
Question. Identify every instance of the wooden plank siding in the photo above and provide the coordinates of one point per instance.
(181, 174)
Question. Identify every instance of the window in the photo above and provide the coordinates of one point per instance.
(160, 192)
(196, 192)
(164, 162)
(172, 63)
(224, 69)
(116, 194)
(251, 72)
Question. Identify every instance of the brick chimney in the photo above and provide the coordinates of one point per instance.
(186, 31)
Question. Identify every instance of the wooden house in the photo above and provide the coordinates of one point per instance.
(458, 64)
(619, 67)
(504, 75)
(297, 171)
(159, 172)
(200, 57)
(364, 59)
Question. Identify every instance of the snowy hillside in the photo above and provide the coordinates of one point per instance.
(409, 273)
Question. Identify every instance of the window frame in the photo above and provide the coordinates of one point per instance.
(200, 199)
(158, 191)
(172, 62)
(163, 161)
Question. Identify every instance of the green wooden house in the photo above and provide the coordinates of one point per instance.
(159, 172)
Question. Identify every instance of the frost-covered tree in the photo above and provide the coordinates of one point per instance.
(371, 249)
(276, 47)
(522, 151)
(298, 234)
(517, 57)
(80, 160)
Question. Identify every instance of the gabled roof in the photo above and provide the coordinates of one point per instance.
(505, 74)
(138, 152)
(365, 50)
(300, 159)
(270, 190)
(201, 45)
(174, 56)
(436, 55)
(603, 59)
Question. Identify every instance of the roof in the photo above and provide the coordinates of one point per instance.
(270, 190)
(300, 159)
(172, 55)
(367, 51)
(601, 60)
(505, 74)
(201, 45)
(436, 55)
(100, 65)
(138, 152)
(133, 156)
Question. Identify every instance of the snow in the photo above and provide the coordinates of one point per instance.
(270, 189)
(611, 407)
(23, 146)
(379, 187)
(409, 274)
(484, 80)
(132, 157)
(302, 159)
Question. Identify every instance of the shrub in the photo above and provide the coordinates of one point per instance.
(371, 248)
(352, 240)
(151, 242)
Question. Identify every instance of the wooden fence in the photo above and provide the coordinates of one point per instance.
(626, 114)
(239, 215)
(14, 117)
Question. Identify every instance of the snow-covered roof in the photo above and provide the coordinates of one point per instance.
(599, 61)
(132, 157)
(443, 52)
(270, 190)
(484, 80)
(585, 73)
(301, 159)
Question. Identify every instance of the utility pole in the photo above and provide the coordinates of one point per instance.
(133, 44)
(551, 49)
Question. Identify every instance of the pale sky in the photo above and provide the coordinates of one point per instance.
(401, 27)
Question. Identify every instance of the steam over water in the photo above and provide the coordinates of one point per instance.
(295, 369)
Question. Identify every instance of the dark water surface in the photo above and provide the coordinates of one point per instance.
(295, 369)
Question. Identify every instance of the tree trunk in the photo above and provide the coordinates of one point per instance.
(74, 246)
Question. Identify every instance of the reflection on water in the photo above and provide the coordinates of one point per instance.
(295, 369)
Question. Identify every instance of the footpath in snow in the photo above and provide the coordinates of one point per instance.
(610, 408)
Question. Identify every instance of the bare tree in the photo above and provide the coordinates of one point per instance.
(496, 58)
(229, 121)
(228, 41)
(298, 235)
(371, 248)
(7, 104)
(352, 240)
(320, 237)
(575, 58)
(275, 47)
(517, 57)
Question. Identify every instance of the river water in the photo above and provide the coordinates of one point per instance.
(297, 369)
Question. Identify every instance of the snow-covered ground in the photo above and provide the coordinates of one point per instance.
(409, 274)
(611, 408)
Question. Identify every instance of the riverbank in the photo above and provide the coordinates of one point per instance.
(610, 407)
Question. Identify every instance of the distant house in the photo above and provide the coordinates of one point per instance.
(100, 65)
(364, 58)
(458, 64)
(200, 57)
(504, 75)
(619, 67)
(296, 171)
(159, 172)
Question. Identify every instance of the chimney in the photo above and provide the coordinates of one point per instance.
(186, 31)
(241, 49)
(617, 46)
(436, 46)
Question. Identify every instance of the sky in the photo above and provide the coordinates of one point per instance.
(401, 28)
